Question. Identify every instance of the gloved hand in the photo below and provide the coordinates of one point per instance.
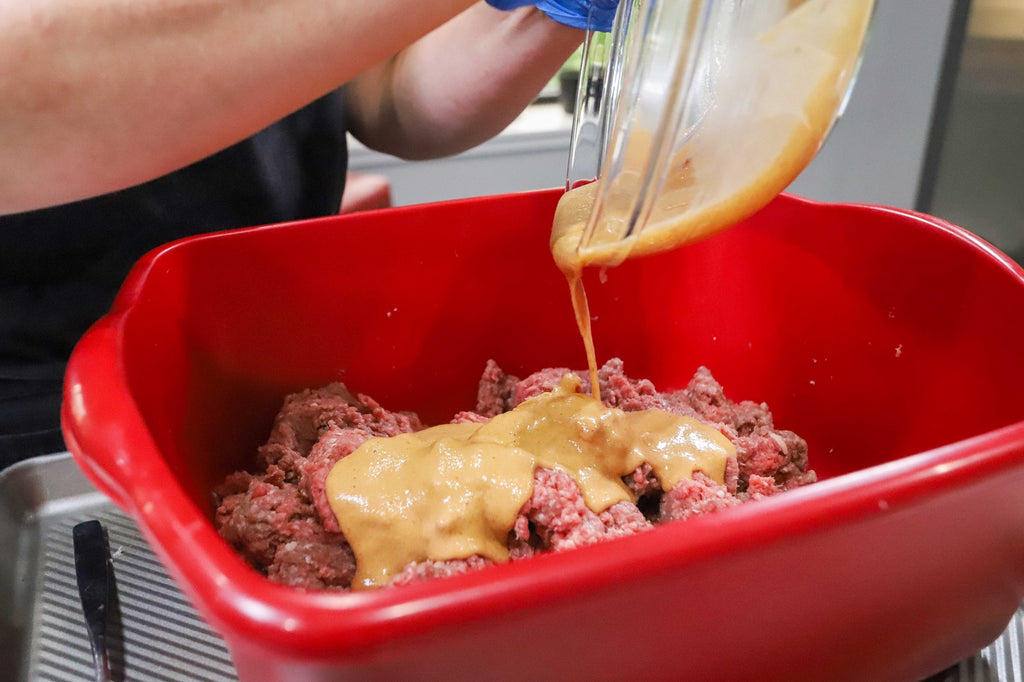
(569, 12)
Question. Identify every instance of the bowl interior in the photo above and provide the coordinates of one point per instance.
(872, 333)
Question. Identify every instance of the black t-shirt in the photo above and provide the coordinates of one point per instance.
(61, 267)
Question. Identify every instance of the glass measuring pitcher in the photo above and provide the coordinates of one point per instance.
(694, 114)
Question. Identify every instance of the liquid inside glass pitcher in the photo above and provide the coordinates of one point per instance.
(694, 114)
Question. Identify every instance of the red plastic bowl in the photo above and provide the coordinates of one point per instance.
(891, 341)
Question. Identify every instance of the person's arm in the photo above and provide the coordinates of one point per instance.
(459, 85)
(100, 95)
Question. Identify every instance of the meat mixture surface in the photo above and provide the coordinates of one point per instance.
(280, 520)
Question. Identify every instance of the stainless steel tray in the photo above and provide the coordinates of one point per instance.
(158, 635)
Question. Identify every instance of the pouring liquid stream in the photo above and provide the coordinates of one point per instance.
(779, 79)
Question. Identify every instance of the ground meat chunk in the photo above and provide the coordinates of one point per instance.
(297, 425)
(556, 517)
(274, 525)
(693, 497)
(305, 415)
(761, 449)
(335, 443)
(317, 563)
(419, 571)
(280, 519)
(494, 394)
(630, 395)
(541, 382)
(642, 482)
(469, 418)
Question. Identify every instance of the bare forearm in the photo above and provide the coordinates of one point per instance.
(461, 84)
(95, 96)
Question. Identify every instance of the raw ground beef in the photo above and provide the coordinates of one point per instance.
(279, 519)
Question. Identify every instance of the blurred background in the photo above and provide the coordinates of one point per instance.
(935, 123)
(974, 170)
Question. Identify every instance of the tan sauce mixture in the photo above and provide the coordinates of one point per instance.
(454, 491)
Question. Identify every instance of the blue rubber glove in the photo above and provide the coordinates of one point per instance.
(569, 12)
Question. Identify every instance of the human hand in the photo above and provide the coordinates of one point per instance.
(575, 13)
